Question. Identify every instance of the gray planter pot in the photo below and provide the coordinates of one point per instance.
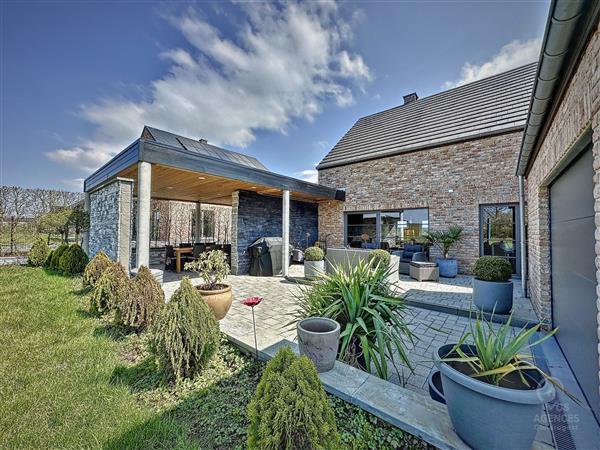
(489, 417)
(318, 338)
(493, 296)
(313, 269)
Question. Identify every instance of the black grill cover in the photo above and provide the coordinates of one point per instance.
(265, 257)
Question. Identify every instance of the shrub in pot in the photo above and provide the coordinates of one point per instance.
(73, 260)
(213, 269)
(370, 313)
(144, 301)
(95, 268)
(314, 262)
(39, 252)
(493, 392)
(492, 288)
(444, 240)
(379, 257)
(290, 409)
(186, 333)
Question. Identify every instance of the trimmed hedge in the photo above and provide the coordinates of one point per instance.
(492, 268)
(73, 260)
(95, 268)
(111, 289)
(314, 254)
(380, 258)
(38, 253)
(186, 334)
(144, 301)
(290, 409)
(56, 255)
(48, 262)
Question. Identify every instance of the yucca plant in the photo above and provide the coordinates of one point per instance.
(371, 315)
(499, 353)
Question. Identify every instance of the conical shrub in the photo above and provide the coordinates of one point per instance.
(186, 333)
(56, 254)
(73, 260)
(290, 409)
(95, 268)
(38, 253)
(142, 305)
(111, 289)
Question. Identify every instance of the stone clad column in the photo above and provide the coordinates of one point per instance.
(143, 214)
(286, 232)
(198, 218)
(85, 238)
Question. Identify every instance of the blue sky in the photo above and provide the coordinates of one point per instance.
(279, 81)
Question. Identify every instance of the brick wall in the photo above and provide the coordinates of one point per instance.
(110, 220)
(477, 172)
(254, 216)
(578, 112)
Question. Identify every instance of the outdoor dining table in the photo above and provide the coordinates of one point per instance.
(178, 252)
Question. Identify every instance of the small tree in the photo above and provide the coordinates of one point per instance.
(38, 253)
(79, 220)
(212, 267)
(290, 409)
(111, 289)
(95, 268)
(444, 240)
(186, 334)
(146, 298)
(55, 222)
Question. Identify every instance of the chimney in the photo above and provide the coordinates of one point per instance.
(409, 98)
(203, 141)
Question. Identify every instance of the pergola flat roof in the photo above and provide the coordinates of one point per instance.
(179, 174)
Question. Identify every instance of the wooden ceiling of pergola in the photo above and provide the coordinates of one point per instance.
(170, 183)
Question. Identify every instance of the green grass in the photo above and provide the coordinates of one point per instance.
(72, 380)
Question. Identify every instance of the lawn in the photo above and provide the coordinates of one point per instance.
(72, 380)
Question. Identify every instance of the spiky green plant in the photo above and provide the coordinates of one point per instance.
(186, 333)
(141, 306)
(290, 409)
(111, 289)
(95, 268)
(444, 240)
(370, 313)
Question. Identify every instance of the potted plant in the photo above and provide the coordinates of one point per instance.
(314, 262)
(492, 288)
(492, 390)
(444, 240)
(318, 338)
(213, 269)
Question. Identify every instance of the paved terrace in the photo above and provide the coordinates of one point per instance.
(432, 328)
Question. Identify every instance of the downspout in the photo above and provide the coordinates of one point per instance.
(522, 235)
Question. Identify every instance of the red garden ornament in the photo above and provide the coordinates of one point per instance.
(252, 302)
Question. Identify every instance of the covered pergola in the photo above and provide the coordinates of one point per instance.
(166, 166)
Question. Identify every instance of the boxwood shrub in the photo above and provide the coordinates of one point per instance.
(186, 333)
(380, 258)
(290, 409)
(38, 253)
(56, 254)
(313, 254)
(95, 268)
(73, 260)
(492, 268)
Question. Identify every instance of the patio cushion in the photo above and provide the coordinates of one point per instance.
(423, 264)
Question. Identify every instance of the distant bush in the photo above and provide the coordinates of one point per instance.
(290, 409)
(56, 254)
(313, 254)
(380, 257)
(38, 253)
(73, 260)
(492, 268)
(110, 290)
(142, 305)
(95, 268)
(186, 333)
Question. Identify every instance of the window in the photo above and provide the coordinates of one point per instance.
(499, 233)
(386, 228)
(208, 224)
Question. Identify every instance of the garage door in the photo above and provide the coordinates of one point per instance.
(574, 273)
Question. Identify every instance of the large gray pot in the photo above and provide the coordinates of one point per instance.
(493, 296)
(313, 269)
(489, 417)
(318, 338)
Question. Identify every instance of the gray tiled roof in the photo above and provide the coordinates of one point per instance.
(489, 106)
(174, 140)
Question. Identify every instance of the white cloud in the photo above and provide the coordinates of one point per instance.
(514, 54)
(322, 145)
(285, 63)
(310, 175)
(75, 183)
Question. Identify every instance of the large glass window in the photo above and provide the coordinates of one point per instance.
(499, 232)
(386, 229)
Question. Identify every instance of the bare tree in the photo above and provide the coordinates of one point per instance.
(17, 207)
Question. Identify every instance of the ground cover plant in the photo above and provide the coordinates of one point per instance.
(79, 381)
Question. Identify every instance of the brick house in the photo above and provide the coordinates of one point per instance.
(560, 159)
(447, 159)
